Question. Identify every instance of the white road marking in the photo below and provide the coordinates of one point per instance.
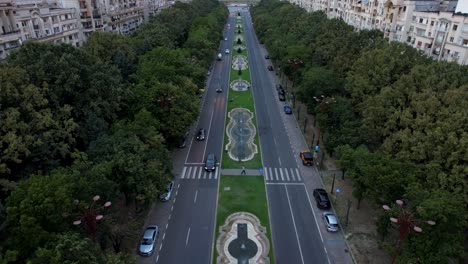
(195, 199)
(292, 175)
(195, 172)
(298, 174)
(279, 160)
(194, 163)
(311, 208)
(285, 183)
(172, 208)
(271, 173)
(266, 173)
(294, 223)
(200, 173)
(183, 172)
(188, 235)
(276, 174)
(157, 258)
(287, 175)
(164, 236)
(216, 173)
(281, 172)
(167, 223)
(189, 172)
(209, 131)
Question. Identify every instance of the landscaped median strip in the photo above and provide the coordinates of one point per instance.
(237, 193)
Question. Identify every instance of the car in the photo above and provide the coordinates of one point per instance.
(225, 39)
(281, 97)
(321, 197)
(331, 222)
(306, 157)
(287, 110)
(208, 73)
(210, 162)
(166, 195)
(226, 51)
(267, 57)
(279, 87)
(147, 243)
(220, 56)
(201, 134)
(270, 68)
(219, 89)
(281, 91)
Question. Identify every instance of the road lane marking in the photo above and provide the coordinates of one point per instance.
(294, 224)
(157, 258)
(164, 236)
(200, 173)
(172, 208)
(271, 173)
(266, 173)
(285, 183)
(195, 199)
(298, 174)
(209, 132)
(276, 174)
(292, 175)
(188, 235)
(216, 173)
(287, 175)
(189, 172)
(195, 172)
(183, 172)
(194, 163)
(279, 160)
(281, 172)
(167, 223)
(311, 208)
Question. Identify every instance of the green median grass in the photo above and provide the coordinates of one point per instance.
(246, 194)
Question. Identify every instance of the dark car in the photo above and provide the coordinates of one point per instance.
(166, 195)
(267, 57)
(201, 134)
(282, 92)
(148, 241)
(281, 97)
(270, 68)
(287, 110)
(321, 197)
(307, 158)
(279, 87)
(210, 162)
(219, 89)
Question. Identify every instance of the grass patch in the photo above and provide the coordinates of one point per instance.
(247, 194)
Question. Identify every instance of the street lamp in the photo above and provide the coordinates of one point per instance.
(295, 63)
(323, 102)
(89, 215)
(406, 222)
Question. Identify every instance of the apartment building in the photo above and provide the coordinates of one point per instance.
(437, 27)
(70, 21)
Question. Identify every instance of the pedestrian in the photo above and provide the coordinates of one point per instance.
(243, 170)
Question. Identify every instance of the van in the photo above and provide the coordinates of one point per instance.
(220, 56)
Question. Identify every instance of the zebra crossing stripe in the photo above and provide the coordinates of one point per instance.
(281, 172)
(287, 174)
(209, 175)
(200, 173)
(276, 174)
(195, 172)
(189, 172)
(183, 172)
(204, 174)
(298, 174)
(216, 173)
(292, 175)
(266, 173)
(271, 174)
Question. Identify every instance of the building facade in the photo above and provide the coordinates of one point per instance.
(437, 27)
(69, 21)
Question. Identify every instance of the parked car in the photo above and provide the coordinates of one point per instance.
(306, 157)
(287, 110)
(166, 195)
(148, 241)
(210, 162)
(220, 56)
(267, 57)
(281, 91)
(226, 51)
(331, 222)
(270, 68)
(219, 89)
(279, 87)
(321, 197)
(201, 134)
(281, 97)
(225, 39)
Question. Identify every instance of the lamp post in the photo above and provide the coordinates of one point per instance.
(406, 222)
(89, 215)
(294, 64)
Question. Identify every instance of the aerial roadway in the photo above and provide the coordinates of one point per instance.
(187, 220)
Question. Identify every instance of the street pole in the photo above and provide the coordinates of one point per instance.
(305, 124)
(333, 184)
(347, 212)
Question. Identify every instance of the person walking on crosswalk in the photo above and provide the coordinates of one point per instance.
(243, 170)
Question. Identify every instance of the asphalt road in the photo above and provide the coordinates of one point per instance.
(187, 227)
(296, 238)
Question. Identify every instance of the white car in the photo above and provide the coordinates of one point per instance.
(226, 51)
(225, 39)
(330, 221)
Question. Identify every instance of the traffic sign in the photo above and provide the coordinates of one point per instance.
(338, 190)
(260, 170)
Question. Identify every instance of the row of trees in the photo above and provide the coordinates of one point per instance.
(76, 122)
(395, 119)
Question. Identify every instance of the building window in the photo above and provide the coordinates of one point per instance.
(421, 20)
(419, 43)
(451, 39)
(432, 23)
(455, 27)
(404, 9)
(414, 19)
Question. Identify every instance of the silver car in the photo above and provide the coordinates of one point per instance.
(330, 221)
(149, 240)
(166, 195)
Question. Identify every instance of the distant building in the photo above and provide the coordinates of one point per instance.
(70, 21)
(437, 27)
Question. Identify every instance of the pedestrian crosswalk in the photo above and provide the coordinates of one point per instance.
(198, 173)
(282, 175)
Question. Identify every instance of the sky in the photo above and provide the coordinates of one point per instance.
(462, 6)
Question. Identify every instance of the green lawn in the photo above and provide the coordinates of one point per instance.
(247, 194)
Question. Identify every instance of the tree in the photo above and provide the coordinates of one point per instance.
(35, 208)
